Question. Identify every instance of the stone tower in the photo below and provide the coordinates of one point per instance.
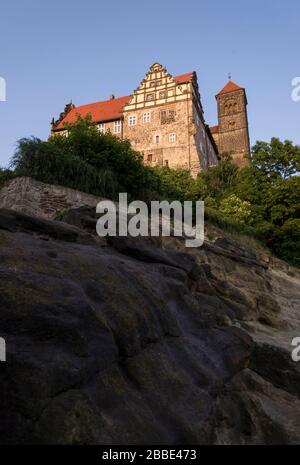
(232, 134)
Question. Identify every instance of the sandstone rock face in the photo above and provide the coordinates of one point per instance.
(35, 198)
(134, 341)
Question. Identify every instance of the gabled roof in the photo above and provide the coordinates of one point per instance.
(230, 87)
(108, 110)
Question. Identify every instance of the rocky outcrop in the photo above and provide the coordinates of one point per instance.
(134, 341)
(26, 195)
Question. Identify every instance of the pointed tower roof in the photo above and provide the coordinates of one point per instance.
(230, 87)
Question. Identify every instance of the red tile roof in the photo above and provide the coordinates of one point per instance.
(214, 129)
(183, 78)
(108, 110)
(230, 87)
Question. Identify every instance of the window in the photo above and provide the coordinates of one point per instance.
(163, 94)
(155, 83)
(157, 139)
(149, 158)
(167, 116)
(166, 162)
(172, 137)
(146, 117)
(117, 127)
(132, 120)
(149, 97)
(101, 127)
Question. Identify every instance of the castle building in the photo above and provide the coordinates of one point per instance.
(164, 120)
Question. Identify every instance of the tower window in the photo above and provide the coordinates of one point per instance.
(157, 139)
(132, 120)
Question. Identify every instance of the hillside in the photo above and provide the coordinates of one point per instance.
(131, 341)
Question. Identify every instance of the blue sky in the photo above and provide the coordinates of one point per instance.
(54, 51)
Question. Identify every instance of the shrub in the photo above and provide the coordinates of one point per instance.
(5, 175)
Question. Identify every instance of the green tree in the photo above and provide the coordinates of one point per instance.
(87, 160)
(276, 158)
(218, 179)
(176, 184)
(235, 209)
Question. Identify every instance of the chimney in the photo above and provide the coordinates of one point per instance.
(111, 97)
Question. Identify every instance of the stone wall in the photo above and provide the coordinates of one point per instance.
(152, 138)
(36, 198)
(202, 151)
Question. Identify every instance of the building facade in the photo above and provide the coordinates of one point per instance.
(164, 120)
